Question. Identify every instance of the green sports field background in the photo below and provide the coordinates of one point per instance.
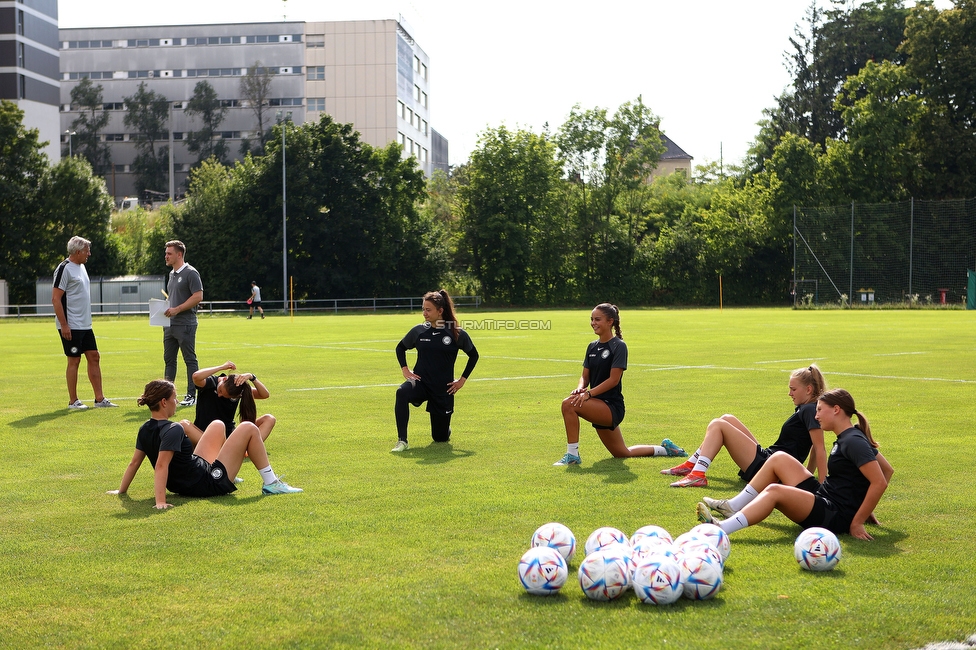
(420, 549)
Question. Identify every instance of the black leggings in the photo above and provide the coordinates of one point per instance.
(416, 394)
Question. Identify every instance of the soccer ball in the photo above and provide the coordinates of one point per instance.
(603, 575)
(700, 577)
(716, 537)
(657, 580)
(706, 551)
(542, 571)
(686, 541)
(652, 545)
(650, 531)
(556, 536)
(602, 537)
(624, 551)
(817, 549)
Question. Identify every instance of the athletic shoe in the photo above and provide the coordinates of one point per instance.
(105, 404)
(401, 445)
(704, 515)
(568, 459)
(78, 405)
(280, 487)
(238, 480)
(672, 449)
(189, 400)
(721, 506)
(691, 481)
(680, 470)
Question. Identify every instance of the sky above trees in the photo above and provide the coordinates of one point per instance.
(706, 67)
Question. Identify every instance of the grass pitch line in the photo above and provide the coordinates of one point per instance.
(299, 390)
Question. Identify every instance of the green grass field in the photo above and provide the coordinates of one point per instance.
(420, 549)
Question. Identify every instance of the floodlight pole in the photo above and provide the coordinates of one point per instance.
(283, 120)
(70, 134)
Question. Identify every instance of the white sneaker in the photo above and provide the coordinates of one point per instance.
(189, 400)
(401, 445)
(105, 404)
(78, 405)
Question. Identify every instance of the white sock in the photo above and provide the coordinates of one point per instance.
(735, 522)
(267, 475)
(701, 465)
(659, 450)
(572, 448)
(744, 498)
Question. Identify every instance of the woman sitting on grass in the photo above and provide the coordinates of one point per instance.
(800, 436)
(598, 398)
(857, 476)
(209, 470)
(218, 398)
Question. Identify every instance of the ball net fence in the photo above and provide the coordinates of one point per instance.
(906, 252)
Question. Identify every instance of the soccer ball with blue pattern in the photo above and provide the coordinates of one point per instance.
(557, 536)
(701, 577)
(651, 531)
(604, 575)
(716, 537)
(657, 580)
(542, 571)
(817, 549)
(603, 537)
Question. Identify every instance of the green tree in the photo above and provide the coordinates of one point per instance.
(91, 121)
(206, 142)
(148, 113)
(508, 210)
(256, 89)
(941, 57)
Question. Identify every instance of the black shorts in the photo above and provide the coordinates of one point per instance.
(256, 303)
(213, 484)
(616, 414)
(826, 515)
(762, 455)
(417, 392)
(81, 341)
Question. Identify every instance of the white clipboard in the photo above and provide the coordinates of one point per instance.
(157, 307)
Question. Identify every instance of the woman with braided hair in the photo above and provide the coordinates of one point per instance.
(598, 398)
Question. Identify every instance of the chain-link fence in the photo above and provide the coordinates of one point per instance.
(907, 252)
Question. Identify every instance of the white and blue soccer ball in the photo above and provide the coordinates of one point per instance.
(603, 575)
(657, 580)
(817, 549)
(651, 531)
(624, 551)
(652, 545)
(716, 537)
(701, 578)
(557, 536)
(602, 537)
(542, 571)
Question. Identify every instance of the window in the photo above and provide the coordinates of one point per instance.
(114, 137)
(316, 72)
(416, 63)
(21, 55)
(401, 109)
(423, 99)
(425, 127)
(20, 22)
(130, 289)
(177, 135)
(416, 93)
(316, 104)
(423, 70)
(119, 168)
(315, 40)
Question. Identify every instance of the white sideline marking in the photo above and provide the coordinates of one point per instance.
(298, 390)
(791, 360)
(898, 354)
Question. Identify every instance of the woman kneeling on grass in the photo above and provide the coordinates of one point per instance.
(598, 398)
(800, 436)
(209, 470)
(857, 476)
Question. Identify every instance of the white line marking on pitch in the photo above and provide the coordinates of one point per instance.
(296, 390)
(791, 360)
(898, 354)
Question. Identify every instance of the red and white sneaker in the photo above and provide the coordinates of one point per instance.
(692, 481)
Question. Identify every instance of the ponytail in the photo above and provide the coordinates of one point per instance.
(248, 409)
(611, 312)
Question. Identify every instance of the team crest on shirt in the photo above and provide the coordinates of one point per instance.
(606, 353)
(426, 325)
(447, 339)
(217, 473)
(833, 450)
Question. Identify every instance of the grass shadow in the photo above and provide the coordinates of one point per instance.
(614, 470)
(142, 508)
(32, 421)
(436, 453)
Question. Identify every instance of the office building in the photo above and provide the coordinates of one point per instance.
(371, 74)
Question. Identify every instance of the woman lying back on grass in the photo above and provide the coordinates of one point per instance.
(207, 471)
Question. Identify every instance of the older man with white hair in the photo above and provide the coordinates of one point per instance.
(71, 297)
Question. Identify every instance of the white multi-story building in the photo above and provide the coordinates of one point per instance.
(371, 74)
(29, 65)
